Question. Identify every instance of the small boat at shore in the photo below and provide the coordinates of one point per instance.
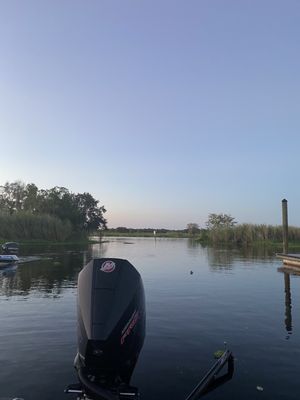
(8, 259)
(10, 248)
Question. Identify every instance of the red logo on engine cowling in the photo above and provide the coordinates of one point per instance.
(108, 266)
(129, 326)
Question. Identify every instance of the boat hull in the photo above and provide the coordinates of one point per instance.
(7, 259)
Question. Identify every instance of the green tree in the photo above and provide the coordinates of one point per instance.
(192, 228)
(12, 197)
(31, 198)
(90, 214)
(122, 229)
(218, 221)
(81, 211)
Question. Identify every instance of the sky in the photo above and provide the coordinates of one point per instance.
(164, 110)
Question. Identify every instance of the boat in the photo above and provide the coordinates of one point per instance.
(8, 259)
(10, 248)
(111, 320)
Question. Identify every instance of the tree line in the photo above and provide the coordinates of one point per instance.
(32, 213)
(223, 228)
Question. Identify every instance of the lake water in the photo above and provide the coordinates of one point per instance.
(233, 299)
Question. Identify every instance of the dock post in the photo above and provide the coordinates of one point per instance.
(285, 226)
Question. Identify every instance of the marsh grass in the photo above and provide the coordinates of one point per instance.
(26, 226)
(249, 234)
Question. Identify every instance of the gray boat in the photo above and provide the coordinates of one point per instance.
(10, 248)
(8, 259)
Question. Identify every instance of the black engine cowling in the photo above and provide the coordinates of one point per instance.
(111, 323)
(111, 332)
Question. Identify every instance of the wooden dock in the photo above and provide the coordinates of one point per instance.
(290, 260)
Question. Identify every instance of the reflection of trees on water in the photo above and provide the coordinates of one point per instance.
(224, 258)
(220, 258)
(193, 244)
(98, 250)
(50, 249)
(48, 277)
(255, 253)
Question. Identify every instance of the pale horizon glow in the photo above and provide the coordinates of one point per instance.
(164, 111)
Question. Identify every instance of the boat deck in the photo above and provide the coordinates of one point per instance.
(291, 260)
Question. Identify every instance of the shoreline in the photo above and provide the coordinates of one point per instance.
(172, 235)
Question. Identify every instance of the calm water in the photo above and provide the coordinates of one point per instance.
(232, 297)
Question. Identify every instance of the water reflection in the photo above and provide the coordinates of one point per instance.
(288, 320)
(225, 257)
(51, 249)
(98, 250)
(220, 258)
(9, 270)
(57, 270)
(48, 277)
(194, 244)
(288, 303)
(189, 316)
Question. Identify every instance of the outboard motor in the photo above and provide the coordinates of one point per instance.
(111, 329)
(111, 332)
(10, 248)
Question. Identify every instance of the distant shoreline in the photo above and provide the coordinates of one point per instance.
(141, 233)
(198, 238)
(41, 242)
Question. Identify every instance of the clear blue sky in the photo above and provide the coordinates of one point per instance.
(163, 110)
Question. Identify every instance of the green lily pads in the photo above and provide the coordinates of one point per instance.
(218, 353)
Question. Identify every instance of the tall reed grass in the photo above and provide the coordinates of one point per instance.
(250, 233)
(27, 226)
